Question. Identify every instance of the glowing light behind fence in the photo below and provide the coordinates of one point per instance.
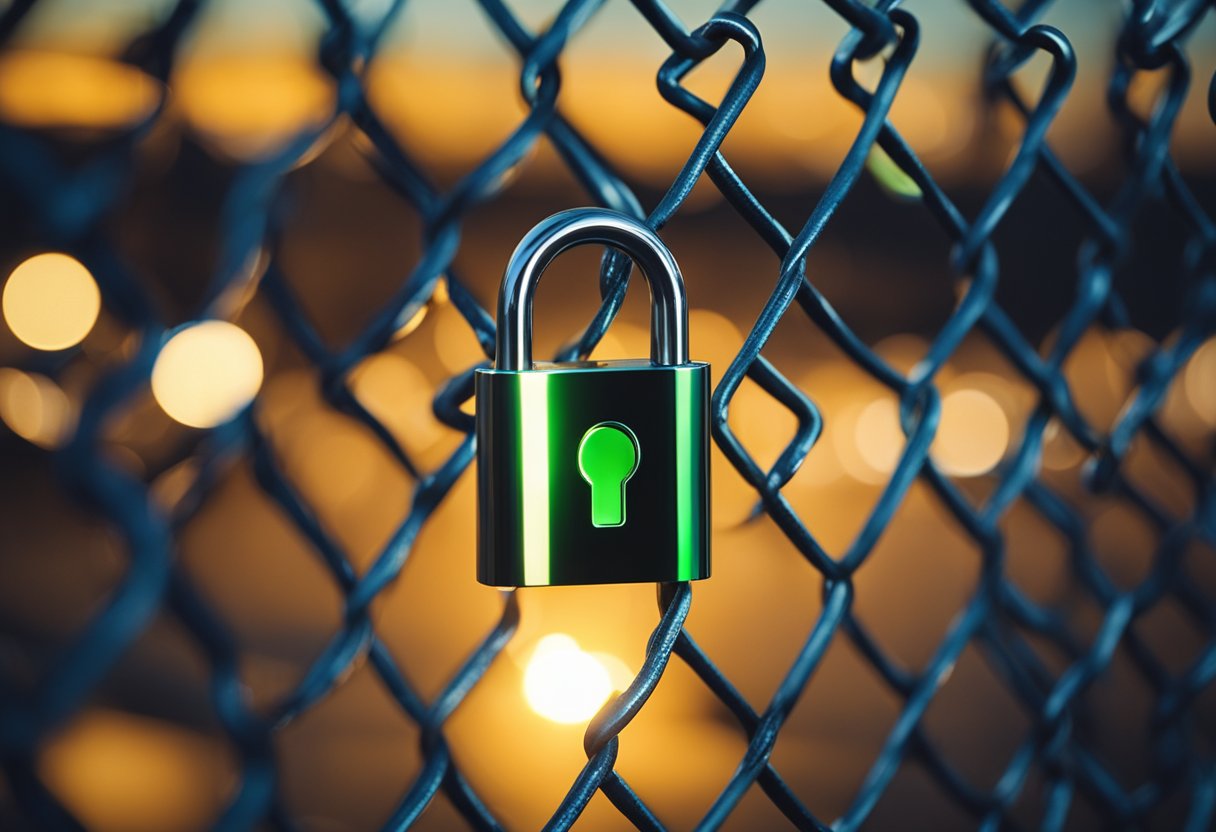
(51, 301)
(34, 407)
(249, 106)
(1200, 381)
(207, 373)
(124, 773)
(56, 89)
(563, 683)
(971, 437)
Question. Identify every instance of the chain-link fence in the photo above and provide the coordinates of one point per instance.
(1126, 267)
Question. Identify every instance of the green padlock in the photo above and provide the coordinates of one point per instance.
(592, 472)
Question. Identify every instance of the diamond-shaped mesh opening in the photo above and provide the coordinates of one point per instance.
(827, 747)
(974, 724)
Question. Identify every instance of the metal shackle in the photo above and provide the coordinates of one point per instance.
(552, 236)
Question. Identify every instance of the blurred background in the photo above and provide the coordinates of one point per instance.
(231, 167)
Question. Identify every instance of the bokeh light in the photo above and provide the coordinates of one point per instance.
(34, 407)
(207, 373)
(51, 301)
(563, 683)
(58, 89)
(972, 435)
(124, 773)
(248, 106)
(1200, 381)
(878, 442)
(619, 673)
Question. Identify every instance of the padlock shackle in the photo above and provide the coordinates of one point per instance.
(551, 237)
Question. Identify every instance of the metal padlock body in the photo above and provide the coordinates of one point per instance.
(534, 503)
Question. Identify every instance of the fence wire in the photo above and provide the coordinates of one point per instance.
(71, 204)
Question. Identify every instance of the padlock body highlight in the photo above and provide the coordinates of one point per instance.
(537, 522)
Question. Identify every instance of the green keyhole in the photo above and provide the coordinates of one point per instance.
(607, 457)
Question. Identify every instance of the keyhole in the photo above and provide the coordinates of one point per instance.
(607, 458)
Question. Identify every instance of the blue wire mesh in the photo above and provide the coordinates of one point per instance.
(70, 206)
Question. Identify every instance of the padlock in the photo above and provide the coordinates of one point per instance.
(592, 472)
